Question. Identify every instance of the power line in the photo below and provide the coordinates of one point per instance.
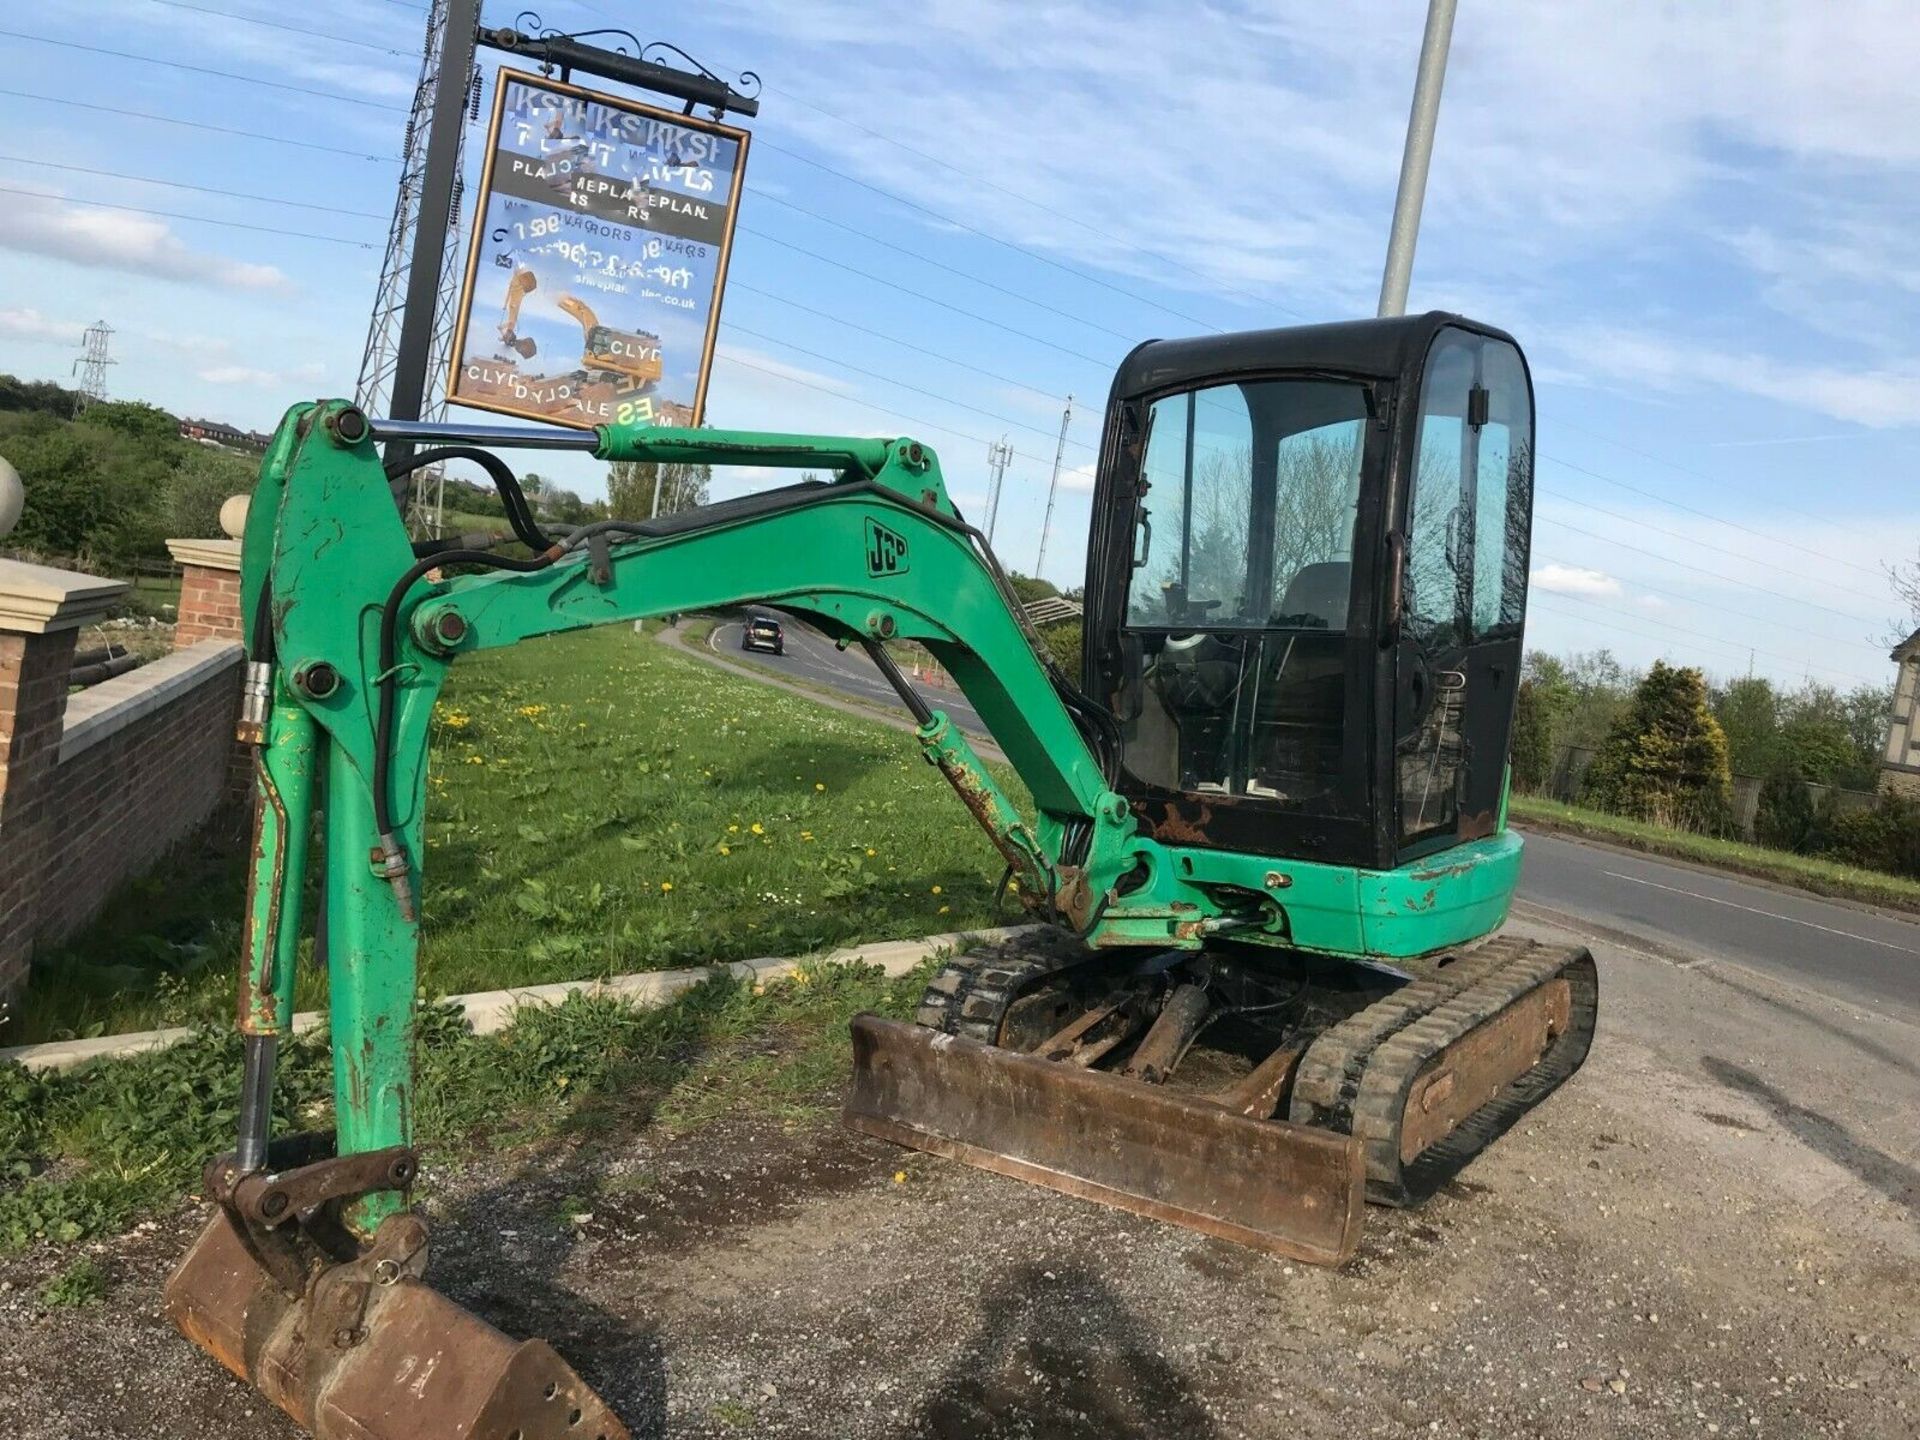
(197, 219)
(182, 185)
(869, 276)
(1700, 637)
(889, 380)
(1705, 515)
(994, 185)
(913, 254)
(828, 315)
(733, 359)
(1042, 207)
(300, 30)
(1687, 470)
(66, 102)
(1705, 545)
(1698, 569)
(172, 64)
(983, 234)
(1687, 599)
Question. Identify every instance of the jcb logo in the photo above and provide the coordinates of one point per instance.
(886, 551)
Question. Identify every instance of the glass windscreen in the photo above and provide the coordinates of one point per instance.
(1251, 492)
(1236, 676)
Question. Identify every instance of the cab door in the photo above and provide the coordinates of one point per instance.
(1466, 513)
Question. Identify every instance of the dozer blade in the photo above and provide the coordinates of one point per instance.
(1274, 1186)
(370, 1352)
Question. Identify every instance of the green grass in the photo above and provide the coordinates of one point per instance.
(81, 1283)
(86, 1152)
(1806, 872)
(600, 803)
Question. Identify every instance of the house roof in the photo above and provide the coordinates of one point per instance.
(1908, 647)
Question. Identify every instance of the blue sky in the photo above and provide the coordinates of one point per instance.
(1699, 220)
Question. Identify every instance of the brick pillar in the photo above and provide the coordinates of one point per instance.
(40, 611)
(209, 591)
(210, 610)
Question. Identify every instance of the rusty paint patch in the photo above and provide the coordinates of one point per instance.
(258, 1011)
(1477, 826)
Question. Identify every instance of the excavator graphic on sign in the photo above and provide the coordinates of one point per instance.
(523, 284)
(629, 360)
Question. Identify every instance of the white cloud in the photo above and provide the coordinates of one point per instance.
(1574, 580)
(1875, 396)
(30, 325)
(123, 240)
(269, 379)
(1080, 477)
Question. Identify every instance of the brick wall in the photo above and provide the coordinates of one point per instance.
(33, 684)
(144, 763)
(95, 786)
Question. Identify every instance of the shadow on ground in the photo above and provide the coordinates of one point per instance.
(1057, 1356)
(1899, 1182)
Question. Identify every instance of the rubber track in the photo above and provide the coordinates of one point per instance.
(1362, 1070)
(971, 993)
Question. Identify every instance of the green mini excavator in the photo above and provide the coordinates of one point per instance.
(1266, 842)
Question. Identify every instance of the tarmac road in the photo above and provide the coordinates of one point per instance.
(812, 659)
(1854, 954)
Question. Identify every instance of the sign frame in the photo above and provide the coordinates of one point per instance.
(463, 309)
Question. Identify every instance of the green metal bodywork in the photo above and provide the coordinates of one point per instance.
(880, 553)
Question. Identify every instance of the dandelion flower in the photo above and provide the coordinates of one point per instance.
(665, 885)
(945, 908)
(936, 890)
(899, 1177)
(758, 828)
(818, 786)
(726, 849)
(871, 852)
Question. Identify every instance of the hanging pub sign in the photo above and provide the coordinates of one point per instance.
(599, 253)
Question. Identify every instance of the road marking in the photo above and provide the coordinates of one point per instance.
(1769, 914)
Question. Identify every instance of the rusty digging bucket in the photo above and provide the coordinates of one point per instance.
(1286, 1189)
(365, 1350)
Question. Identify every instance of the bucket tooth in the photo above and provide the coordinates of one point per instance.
(1282, 1188)
(375, 1359)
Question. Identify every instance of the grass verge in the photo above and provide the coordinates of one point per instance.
(1804, 872)
(85, 1152)
(600, 803)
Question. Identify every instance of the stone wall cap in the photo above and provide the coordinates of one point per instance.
(211, 554)
(38, 599)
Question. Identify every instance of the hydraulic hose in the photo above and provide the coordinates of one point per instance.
(394, 863)
(512, 497)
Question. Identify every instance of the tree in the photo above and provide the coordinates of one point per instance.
(631, 487)
(1748, 710)
(1783, 818)
(92, 493)
(1532, 754)
(1665, 759)
(1030, 588)
(135, 419)
(203, 483)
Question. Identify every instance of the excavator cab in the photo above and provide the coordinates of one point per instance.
(1306, 586)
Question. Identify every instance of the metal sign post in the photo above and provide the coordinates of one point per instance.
(1416, 158)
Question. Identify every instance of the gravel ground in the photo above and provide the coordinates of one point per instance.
(1713, 1229)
